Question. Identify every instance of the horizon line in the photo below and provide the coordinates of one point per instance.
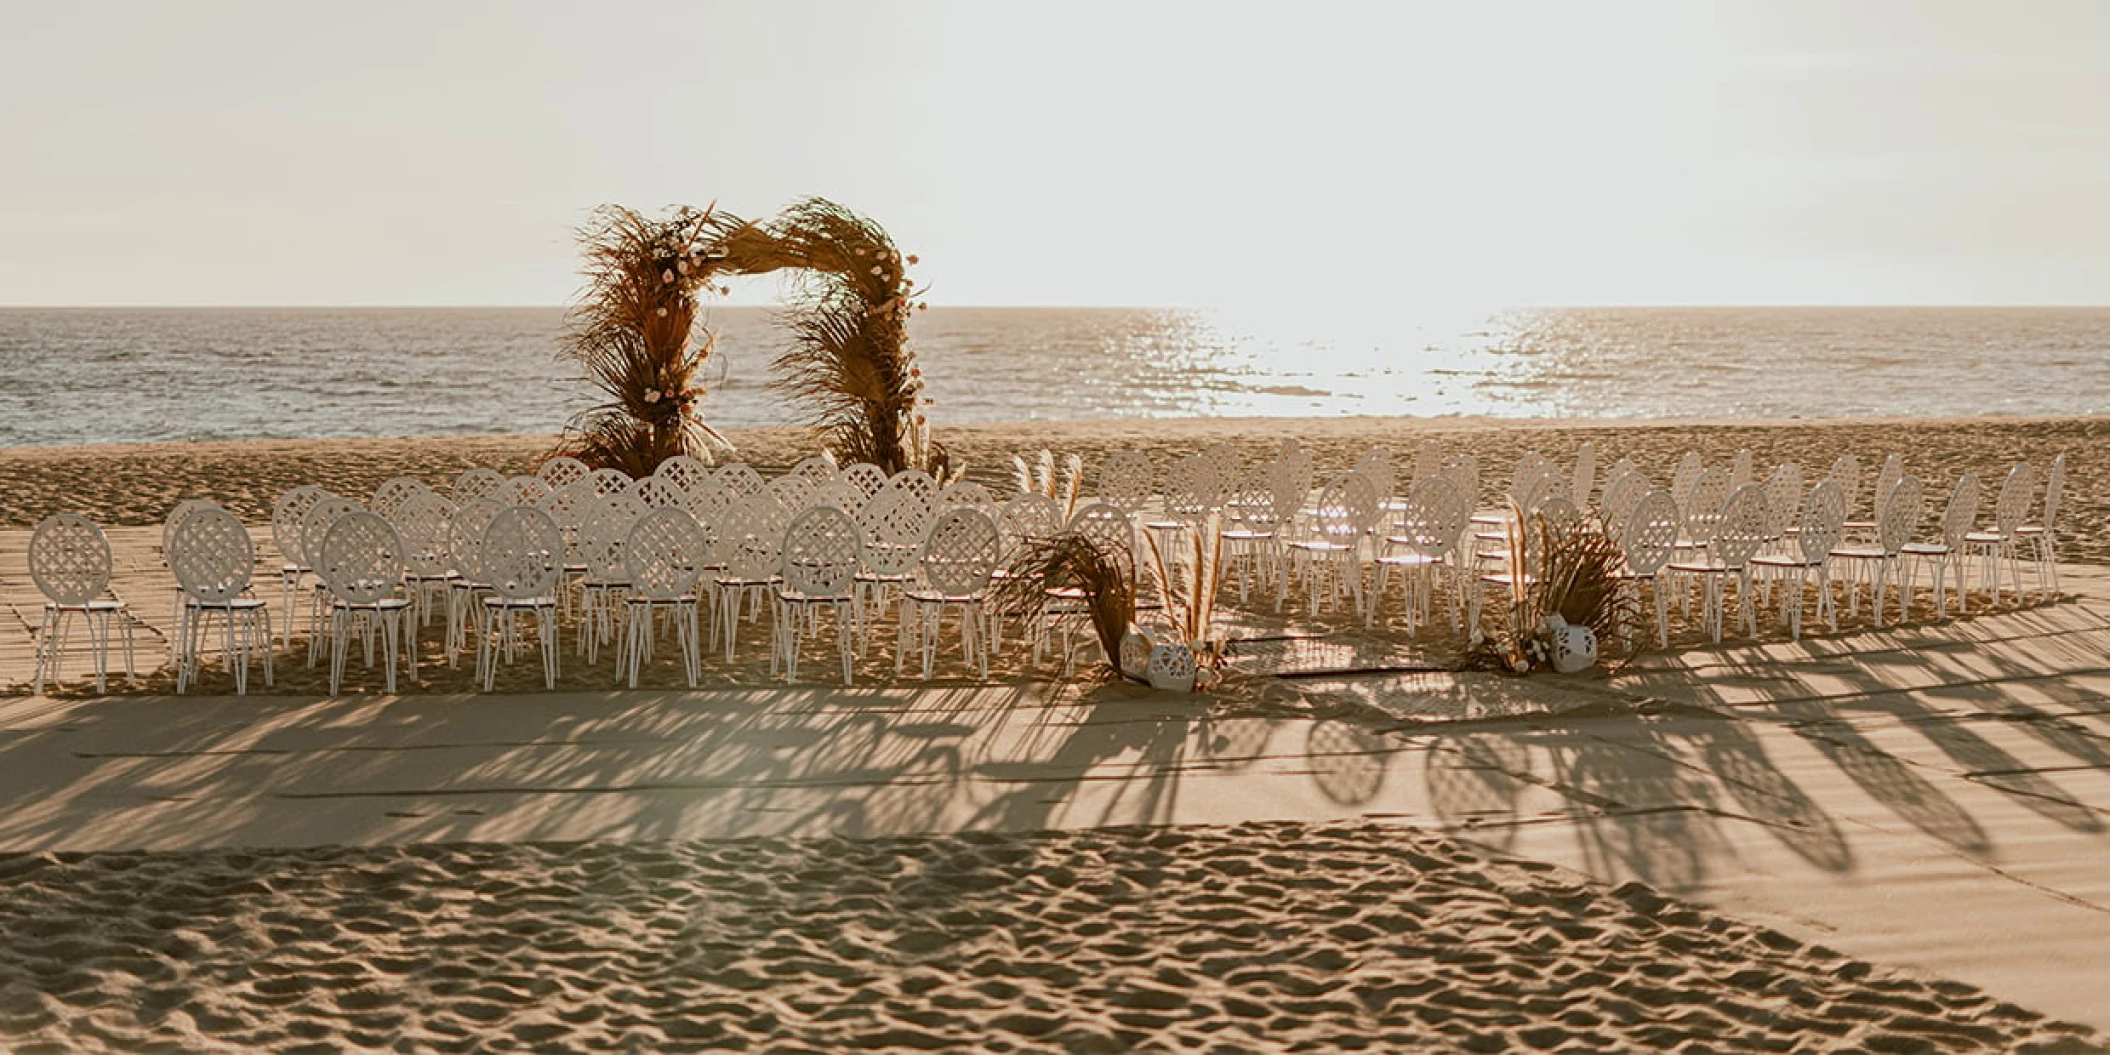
(1634, 306)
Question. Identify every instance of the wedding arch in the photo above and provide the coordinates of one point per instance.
(637, 330)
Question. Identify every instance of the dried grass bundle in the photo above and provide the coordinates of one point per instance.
(1571, 570)
(634, 330)
(1191, 593)
(1040, 479)
(1105, 575)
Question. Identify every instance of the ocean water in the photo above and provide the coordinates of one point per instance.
(71, 376)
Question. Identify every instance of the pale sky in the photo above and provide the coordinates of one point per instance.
(1132, 153)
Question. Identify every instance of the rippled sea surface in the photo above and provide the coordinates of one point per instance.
(144, 374)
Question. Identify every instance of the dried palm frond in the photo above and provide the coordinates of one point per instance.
(1572, 571)
(634, 330)
(1191, 593)
(1105, 575)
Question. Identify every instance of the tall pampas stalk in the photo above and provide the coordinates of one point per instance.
(849, 362)
(635, 331)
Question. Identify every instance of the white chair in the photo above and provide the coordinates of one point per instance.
(1428, 461)
(1028, 517)
(1821, 528)
(866, 477)
(893, 526)
(964, 493)
(314, 528)
(1647, 543)
(660, 561)
(1252, 528)
(1740, 468)
(183, 511)
(475, 482)
(791, 490)
(818, 469)
(1127, 480)
(1423, 539)
(2045, 533)
(1327, 550)
(709, 500)
(393, 492)
(917, 482)
(1895, 526)
(1622, 492)
(2001, 545)
(1703, 507)
(841, 494)
(1734, 542)
(561, 470)
(817, 572)
(467, 589)
(750, 542)
(1847, 470)
(1583, 483)
(521, 557)
(741, 479)
(522, 491)
(361, 566)
(603, 581)
(607, 482)
(1375, 463)
(1685, 476)
(1783, 504)
(952, 573)
(684, 472)
(1887, 477)
(1193, 490)
(212, 557)
(1957, 521)
(421, 525)
(286, 517)
(1109, 529)
(656, 492)
(69, 560)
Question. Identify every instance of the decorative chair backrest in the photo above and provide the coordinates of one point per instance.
(362, 558)
(1704, 505)
(1847, 470)
(1558, 513)
(1229, 463)
(661, 554)
(1428, 461)
(421, 526)
(749, 539)
(1823, 521)
(609, 481)
(561, 470)
(1293, 482)
(1740, 468)
(601, 533)
(1431, 520)
(1621, 468)
(285, 521)
(474, 483)
(1030, 517)
(842, 494)
(741, 479)
(1347, 506)
(212, 556)
(1900, 519)
(1376, 463)
(1962, 514)
(1783, 499)
(1106, 525)
(818, 469)
(465, 537)
(964, 493)
(316, 525)
(1192, 488)
(791, 489)
(866, 477)
(2012, 507)
(961, 553)
(1685, 476)
(1741, 531)
(1531, 465)
(69, 559)
(184, 509)
(893, 525)
(709, 500)
(567, 505)
(1464, 474)
(683, 471)
(822, 550)
(393, 492)
(522, 553)
(656, 492)
(1620, 494)
(1582, 482)
(1127, 479)
(1253, 501)
(1651, 533)
(915, 480)
(521, 491)
(2053, 489)
(1887, 477)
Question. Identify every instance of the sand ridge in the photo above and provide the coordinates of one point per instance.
(1264, 935)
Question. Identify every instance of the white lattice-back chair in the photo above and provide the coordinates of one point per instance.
(609, 481)
(522, 491)
(465, 592)
(683, 471)
(361, 567)
(1887, 477)
(1783, 505)
(1740, 469)
(213, 557)
(604, 581)
(1028, 517)
(839, 493)
(1376, 463)
(523, 560)
(1621, 493)
(561, 470)
(1646, 545)
(1424, 539)
(475, 482)
(421, 524)
(656, 492)
(893, 525)
(791, 490)
(917, 481)
(818, 469)
(69, 560)
(2045, 532)
(1957, 520)
(750, 542)
(1847, 470)
(314, 527)
(662, 562)
(1194, 489)
(286, 515)
(1127, 480)
(1704, 505)
(1895, 526)
(2001, 545)
(817, 572)
(1229, 463)
(952, 574)
(393, 492)
(1737, 536)
(964, 493)
(1428, 460)
(1582, 483)
(866, 477)
(1252, 527)
(176, 516)
(1295, 475)
(1327, 549)
(1110, 529)
(741, 479)
(1687, 474)
(709, 500)
(1821, 529)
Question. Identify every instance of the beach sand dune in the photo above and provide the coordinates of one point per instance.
(1260, 936)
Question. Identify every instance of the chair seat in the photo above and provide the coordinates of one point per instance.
(100, 604)
(1504, 578)
(1402, 560)
(437, 576)
(1986, 537)
(385, 604)
(1696, 568)
(641, 601)
(1925, 549)
(1322, 547)
(935, 597)
(232, 604)
(796, 597)
(1861, 552)
(496, 601)
(1246, 535)
(1774, 560)
(1064, 593)
(732, 584)
(606, 584)
(1860, 525)
(2030, 529)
